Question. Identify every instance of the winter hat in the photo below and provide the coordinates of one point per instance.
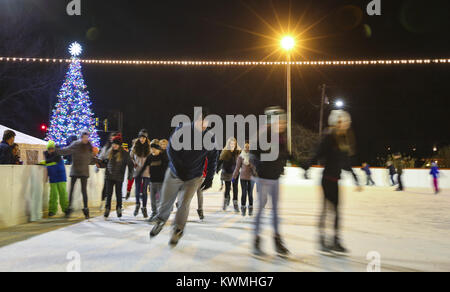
(143, 133)
(275, 111)
(117, 139)
(336, 115)
(155, 144)
(51, 145)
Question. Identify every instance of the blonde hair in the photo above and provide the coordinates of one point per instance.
(337, 115)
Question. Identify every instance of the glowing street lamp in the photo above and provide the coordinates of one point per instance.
(339, 104)
(287, 43)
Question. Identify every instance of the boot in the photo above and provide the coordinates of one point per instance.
(128, 196)
(119, 212)
(226, 202)
(323, 247)
(107, 211)
(136, 211)
(200, 214)
(157, 228)
(257, 251)
(144, 212)
(51, 214)
(176, 236)
(68, 212)
(280, 247)
(153, 217)
(236, 206)
(244, 211)
(250, 211)
(337, 246)
(86, 213)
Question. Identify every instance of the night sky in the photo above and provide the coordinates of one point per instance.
(401, 107)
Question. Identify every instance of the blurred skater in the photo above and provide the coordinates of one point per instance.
(366, 168)
(185, 176)
(391, 169)
(267, 180)
(399, 164)
(434, 172)
(334, 150)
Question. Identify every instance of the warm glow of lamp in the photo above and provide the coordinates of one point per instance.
(287, 43)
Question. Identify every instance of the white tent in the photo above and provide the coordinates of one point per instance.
(31, 148)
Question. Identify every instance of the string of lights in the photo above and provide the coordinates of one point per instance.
(231, 63)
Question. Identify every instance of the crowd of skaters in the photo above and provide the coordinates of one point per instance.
(173, 177)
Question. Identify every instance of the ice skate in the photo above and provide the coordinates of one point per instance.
(107, 211)
(257, 251)
(86, 213)
(250, 211)
(157, 228)
(200, 214)
(136, 211)
(243, 211)
(144, 212)
(337, 247)
(236, 206)
(176, 236)
(280, 248)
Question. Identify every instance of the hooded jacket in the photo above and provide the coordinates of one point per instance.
(55, 167)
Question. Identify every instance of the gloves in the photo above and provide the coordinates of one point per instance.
(233, 180)
(207, 184)
(42, 162)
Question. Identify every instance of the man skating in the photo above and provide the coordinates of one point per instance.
(184, 176)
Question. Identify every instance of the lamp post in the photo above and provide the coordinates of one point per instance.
(288, 43)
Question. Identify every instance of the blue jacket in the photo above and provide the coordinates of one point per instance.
(366, 169)
(434, 171)
(189, 164)
(6, 156)
(55, 167)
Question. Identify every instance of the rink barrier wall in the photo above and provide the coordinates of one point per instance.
(24, 190)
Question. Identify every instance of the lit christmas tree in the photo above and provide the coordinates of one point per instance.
(72, 112)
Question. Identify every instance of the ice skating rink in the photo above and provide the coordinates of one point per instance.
(410, 231)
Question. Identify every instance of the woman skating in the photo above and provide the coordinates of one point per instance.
(117, 160)
(82, 153)
(334, 151)
(434, 172)
(227, 162)
(158, 162)
(246, 171)
(139, 153)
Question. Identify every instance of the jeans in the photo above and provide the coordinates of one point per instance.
(200, 196)
(235, 190)
(370, 180)
(141, 187)
(110, 185)
(83, 181)
(399, 181)
(155, 188)
(171, 187)
(266, 188)
(247, 191)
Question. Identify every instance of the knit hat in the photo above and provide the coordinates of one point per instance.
(275, 111)
(117, 139)
(51, 145)
(143, 133)
(84, 133)
(336, 115)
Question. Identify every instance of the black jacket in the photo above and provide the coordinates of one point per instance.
(115, 170)
(334, 159)
(6, 156)
(188, 164)
(229, 165)
(270, 169)
(158, 166)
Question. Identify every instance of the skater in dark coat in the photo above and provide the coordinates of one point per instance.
(334, 151)
(391, 169)
(399, 164)
(184, 176)
(117, 160)
(268, 175)
(227, 163)
(83, 154)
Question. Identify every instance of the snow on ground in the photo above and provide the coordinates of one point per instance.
(409, 230)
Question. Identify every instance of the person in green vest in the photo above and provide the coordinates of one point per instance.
(58, 179)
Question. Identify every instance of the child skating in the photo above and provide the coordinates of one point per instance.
(58, 181)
